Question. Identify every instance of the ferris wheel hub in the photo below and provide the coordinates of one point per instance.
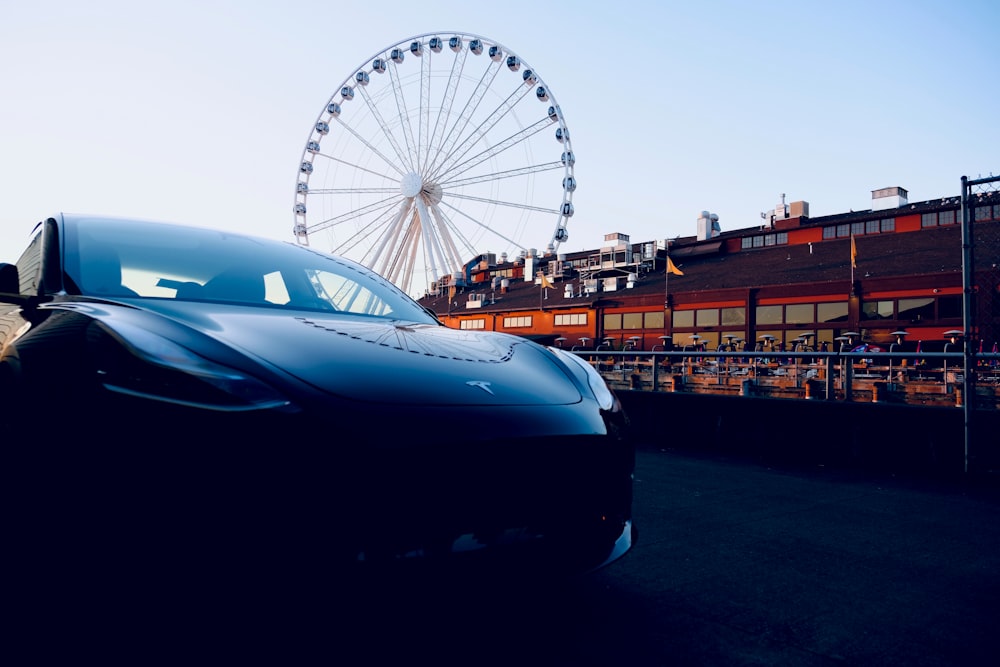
(432, 193)
(410, 185)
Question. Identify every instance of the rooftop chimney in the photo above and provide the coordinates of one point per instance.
(888, 198)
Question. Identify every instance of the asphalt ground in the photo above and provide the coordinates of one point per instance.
(737, 563)
(741, 563)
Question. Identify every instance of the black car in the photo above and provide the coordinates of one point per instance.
(186, 400)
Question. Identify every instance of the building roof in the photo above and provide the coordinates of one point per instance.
(826, 264)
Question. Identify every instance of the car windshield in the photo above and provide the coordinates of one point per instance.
(125, 258)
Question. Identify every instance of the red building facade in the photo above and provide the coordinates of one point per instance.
(861, 276)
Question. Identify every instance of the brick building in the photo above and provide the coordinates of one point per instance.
(860, 276)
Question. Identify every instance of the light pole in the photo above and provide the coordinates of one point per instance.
(953, 335)
(900, 335)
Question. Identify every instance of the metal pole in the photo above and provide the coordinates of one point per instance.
(830, 389)
(968, 320)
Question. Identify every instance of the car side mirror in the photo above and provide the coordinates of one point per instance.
(10, 285)
(9, 281)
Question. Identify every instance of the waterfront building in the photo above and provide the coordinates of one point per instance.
(890, 276)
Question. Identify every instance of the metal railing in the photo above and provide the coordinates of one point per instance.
(911, 377)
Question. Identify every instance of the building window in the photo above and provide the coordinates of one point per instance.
(984, 213)
(571, 320)
(765, 240)
(654, 320)
(915, 310)
(632, 321)
(859, 228)
(928, 220)
(517, 322)
(734, 316)
(706, 317)
(877, 310)
(831, 312)
(612, 321)
(946, 218)
(473, 324)
(769, 315)
(799, 313)
(683, 318)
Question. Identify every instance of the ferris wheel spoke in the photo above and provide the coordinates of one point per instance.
(448, 100)
(350, 215)
(368, 145)
(478, 223)
(498, 175)
(458, 128)
(353, 191)
(377, 114)
(508, 204)
(423, 126)
(404, 256)
(431, 245)
(492, 151)
(479, 131)
(454, 231)
(404, 118)
(357, 237)
(443, 226)
(391, 239)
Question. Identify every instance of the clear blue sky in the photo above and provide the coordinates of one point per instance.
(198, 110)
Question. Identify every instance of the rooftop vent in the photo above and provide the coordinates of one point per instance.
(888, 198)
(708, 226)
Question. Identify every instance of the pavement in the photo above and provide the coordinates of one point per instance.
(739, 561)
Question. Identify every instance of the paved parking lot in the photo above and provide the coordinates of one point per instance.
(736, 564)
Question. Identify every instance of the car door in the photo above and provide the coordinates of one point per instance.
(21, 286)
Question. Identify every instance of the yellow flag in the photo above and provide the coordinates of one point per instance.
(673, 269)
(545, 281)
(854, 253)
(451, 292)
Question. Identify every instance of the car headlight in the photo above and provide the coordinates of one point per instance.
(147, 365)
(589, 374)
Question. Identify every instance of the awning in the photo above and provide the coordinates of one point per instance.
(695, 250)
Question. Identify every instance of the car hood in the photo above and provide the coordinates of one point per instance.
(379, 360)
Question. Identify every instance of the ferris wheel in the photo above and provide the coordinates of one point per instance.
(436, 151)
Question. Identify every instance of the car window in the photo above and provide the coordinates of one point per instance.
(349, 296)
(151, 260)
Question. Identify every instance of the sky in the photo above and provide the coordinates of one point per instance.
(197, 111)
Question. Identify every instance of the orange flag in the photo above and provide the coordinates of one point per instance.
(854, 253)
(673, 269)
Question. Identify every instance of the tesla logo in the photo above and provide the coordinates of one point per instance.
(485, 386)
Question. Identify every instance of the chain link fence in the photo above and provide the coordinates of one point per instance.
(981, 282)
(981, 202)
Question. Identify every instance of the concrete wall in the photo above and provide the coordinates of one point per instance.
(863, 435)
